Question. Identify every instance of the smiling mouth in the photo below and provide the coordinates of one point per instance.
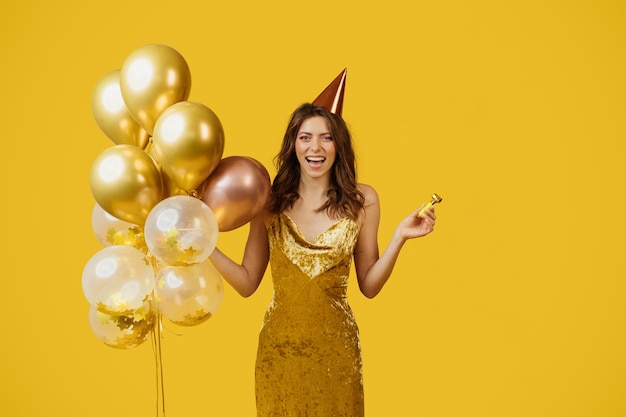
(315, 160)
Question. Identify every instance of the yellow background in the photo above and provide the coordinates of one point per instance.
(513, 111)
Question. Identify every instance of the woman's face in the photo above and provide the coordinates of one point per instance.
(315, 147)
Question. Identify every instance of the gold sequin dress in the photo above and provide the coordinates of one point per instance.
(309, 356)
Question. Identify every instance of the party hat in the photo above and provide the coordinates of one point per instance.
(332, 96)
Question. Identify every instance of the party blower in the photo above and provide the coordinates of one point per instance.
(435, 199)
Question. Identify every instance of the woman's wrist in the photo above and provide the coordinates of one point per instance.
(399, 238)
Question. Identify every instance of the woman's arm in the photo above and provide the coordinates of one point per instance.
(373, 270)
(246, 277)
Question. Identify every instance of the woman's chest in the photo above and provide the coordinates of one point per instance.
(311, 224)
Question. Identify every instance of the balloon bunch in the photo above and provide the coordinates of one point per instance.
(163, 192)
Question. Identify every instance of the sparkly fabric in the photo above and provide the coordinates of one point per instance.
(309, 356)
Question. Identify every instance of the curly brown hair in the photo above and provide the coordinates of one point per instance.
(344, 197)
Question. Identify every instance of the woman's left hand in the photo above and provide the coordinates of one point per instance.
(415, 225)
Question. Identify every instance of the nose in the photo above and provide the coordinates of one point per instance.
(316, 143)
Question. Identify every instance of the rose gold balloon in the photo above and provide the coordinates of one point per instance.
(236, 191)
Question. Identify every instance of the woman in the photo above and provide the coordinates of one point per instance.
(317, 220)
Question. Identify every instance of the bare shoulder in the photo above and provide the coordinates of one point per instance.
(371, 196)
(369, 218)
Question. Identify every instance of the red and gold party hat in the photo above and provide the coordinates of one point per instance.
(332, 96)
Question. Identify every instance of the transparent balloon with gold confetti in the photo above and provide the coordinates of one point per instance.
(122, 331)
(111, 231)
(118, 279)
(189, 295)
(181, 230)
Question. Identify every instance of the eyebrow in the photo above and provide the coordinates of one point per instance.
(302, 132)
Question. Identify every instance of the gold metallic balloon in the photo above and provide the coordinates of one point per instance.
(112, 115)
(126, 182)
(188, 142)
(169, 188)
(152, 78)
(236, 191)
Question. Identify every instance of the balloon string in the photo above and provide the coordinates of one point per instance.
(156, 344)
(156, 347)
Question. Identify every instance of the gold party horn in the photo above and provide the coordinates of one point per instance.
(435, 199)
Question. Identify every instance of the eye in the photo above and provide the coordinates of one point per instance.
(304, 137)
(327, 138)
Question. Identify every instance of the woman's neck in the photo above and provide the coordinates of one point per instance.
(314, 188)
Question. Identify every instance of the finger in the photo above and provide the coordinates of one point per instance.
(416, 213)
(430, 214)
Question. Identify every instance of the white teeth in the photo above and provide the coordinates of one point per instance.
(315, 158)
